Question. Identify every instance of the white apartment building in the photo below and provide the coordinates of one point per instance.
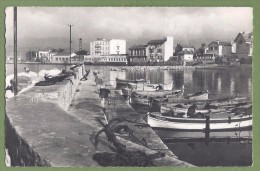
(117, 46)
(101, 47)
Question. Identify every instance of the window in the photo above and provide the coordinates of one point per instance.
(159, 50)
(151, 50)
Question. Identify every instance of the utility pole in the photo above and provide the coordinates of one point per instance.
(15, 52)
(70, 42)
(80, 44)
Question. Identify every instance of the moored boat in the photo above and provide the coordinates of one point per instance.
(198, 96)
(126, 81)
(158, 121)
(150, 87)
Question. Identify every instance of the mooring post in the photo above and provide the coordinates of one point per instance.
(207, 129)
(15, 51)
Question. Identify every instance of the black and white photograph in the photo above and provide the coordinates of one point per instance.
(128, 86)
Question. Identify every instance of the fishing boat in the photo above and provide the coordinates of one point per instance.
(158, 121)
(198, 96)
(227, 99)
(150, 87)
(145, 98)
(126, 81)
(156, 94)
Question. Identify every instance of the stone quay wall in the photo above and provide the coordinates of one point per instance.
(33, 106)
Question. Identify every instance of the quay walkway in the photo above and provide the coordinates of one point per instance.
(56, 126)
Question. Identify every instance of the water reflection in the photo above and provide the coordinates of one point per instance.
(217, 82)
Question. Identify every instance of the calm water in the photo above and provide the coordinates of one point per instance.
(217, 82)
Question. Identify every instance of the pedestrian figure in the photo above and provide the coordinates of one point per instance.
(26, 70)
(191, 111)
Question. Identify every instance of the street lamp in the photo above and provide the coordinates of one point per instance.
(70, 41)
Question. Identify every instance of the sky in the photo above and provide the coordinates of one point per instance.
(47, 27)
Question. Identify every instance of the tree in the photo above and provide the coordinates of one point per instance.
(57, 50)
(82, 52)
(30, 56)
(177, 49)
(200, 51)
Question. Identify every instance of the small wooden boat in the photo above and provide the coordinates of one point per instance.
(126, 81)
(158, 121)
(140, 101)
(145, 99)
(156, 94)
(198, 96)
(184, 110)
(150, 87)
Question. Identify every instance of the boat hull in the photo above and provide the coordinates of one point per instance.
(203, 96)
(198, 124)
(125, 82)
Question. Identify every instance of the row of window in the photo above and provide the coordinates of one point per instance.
(108, 59)
(137, 52)
(213, 48)
(153, 51)
(62, 59)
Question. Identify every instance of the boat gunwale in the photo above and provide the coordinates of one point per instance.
(199, 120)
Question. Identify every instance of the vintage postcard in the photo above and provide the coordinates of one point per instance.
(128, 86)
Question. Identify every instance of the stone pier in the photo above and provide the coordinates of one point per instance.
(56, 126)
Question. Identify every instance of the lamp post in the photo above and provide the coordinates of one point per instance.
(15, 51)
(70, 41)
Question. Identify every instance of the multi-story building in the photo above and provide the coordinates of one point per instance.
(102, 47)
(138, 54)
(243, 45)
(117, 46)
(99, 47)
(160, 50)
(218, 48)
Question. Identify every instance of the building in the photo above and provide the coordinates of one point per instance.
(102, 46)
(217, 49)
(186, 55)
(138, 54)
(117, 46)
(106, 59)
(45, 56)
(64, 57)
(184, 47)
(243, 45)
(160, 50)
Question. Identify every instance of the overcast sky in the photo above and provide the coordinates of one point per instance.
(46, 27)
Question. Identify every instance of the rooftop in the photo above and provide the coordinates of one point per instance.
(64, 54)
(221, 43)
(247, 36)
(187, 46)
(156, 42)
(138, 47)
(185, 52)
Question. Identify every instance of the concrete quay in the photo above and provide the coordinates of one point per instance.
(56, 125)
